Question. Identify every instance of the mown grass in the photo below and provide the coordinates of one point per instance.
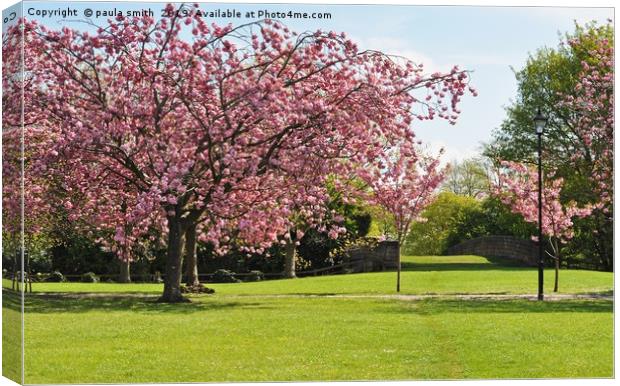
(239, 334)
(422, 275)
(130, 339)
(11, 336)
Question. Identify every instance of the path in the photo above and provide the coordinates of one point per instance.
(548, 297)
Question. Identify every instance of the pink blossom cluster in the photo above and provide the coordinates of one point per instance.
(517, 187)
(403, 183)
(592, 104)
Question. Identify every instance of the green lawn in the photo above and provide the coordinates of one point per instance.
(11, 336)
(113, 338)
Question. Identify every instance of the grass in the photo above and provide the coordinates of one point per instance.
(11, 337)
(422, 275)
(240, 335)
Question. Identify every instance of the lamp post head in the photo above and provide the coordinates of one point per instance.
(540, 121)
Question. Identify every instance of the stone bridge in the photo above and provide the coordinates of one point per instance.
(525, 251)
(383, 256)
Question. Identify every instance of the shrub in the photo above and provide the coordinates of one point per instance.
(254, 276)
(56, 277)
(196, 289)
(90, 277)
(224, 276)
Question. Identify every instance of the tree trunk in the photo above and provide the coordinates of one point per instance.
(557, 270)
(191, 260)
(125, 276)
(557, 273)
(289, 259)
(174, 259)
(398, 270)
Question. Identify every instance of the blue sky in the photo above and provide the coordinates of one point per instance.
(486, 40)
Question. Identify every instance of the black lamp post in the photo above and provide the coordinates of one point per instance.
(540, 121)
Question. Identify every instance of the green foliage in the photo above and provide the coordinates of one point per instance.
(315, 250)
(382, 223)
(362, 221)
(79, 254)
(443, 216)
(452, 219)
(492, 217)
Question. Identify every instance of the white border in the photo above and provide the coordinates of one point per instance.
(522, 3)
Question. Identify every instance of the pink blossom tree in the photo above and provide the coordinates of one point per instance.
(518, 188)
(403, 184)
(592, 121)
(592, 104)
(175, 134)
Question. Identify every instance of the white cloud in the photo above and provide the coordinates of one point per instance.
(451, 152)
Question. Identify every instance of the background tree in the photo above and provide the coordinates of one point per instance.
(468, 178)
(571, 85)
(518, 188)
(403, 184)
(491, 217)
(430, 237)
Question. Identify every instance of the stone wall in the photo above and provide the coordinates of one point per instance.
(365, 259)
(525, 251)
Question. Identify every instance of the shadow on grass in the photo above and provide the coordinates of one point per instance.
(598, 293)
(493, 263)
(477, 306)
(75, 303)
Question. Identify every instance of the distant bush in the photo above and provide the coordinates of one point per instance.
(89, 277)
(453, 218)
(492, 217)
(196, 289)
(254, 276)
(224, 276)
(443, 216)
(56, 277)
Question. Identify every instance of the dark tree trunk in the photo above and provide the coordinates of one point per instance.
(558, 262)
(557, 273)
(191, 261)
(174, 259)
(557, 257)
(124, 275)
(289, 259)
(398, 270)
